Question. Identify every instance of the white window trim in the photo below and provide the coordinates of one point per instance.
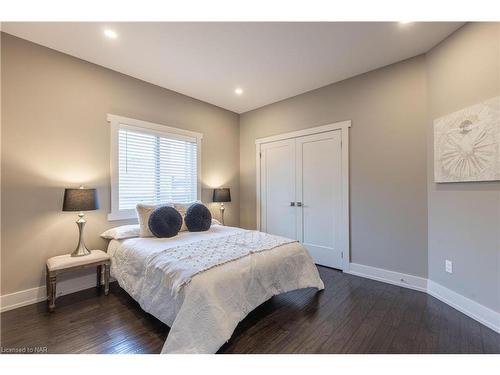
(117, 122)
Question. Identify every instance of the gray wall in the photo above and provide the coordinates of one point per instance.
(55, 135)
(464, 218)
(388, 176)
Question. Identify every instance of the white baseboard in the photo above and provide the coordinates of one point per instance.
(34, 295)
(476, 311)
(386, 276)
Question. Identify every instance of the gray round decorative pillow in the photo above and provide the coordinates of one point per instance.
(198, 218)
(165, 221)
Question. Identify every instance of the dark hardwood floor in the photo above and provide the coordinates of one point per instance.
(352, 315)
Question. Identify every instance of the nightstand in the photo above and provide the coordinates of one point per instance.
(66, 263)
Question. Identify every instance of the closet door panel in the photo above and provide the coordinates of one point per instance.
(318, 185)
(278, 216)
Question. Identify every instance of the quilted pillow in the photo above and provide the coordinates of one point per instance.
(122, 232)
(164, 222)
(198, 218)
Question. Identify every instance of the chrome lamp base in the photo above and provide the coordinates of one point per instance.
(222, 208)
(81, 249)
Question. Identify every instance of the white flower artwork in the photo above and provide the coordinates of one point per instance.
(467, 144)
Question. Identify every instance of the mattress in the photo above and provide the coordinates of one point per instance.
(204, 314)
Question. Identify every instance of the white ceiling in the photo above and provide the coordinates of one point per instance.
(269, 61)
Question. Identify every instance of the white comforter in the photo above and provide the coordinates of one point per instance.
(204, 314)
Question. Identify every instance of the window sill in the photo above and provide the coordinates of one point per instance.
(124, 215)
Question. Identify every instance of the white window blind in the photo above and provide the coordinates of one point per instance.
(155, 168)
(151, 163)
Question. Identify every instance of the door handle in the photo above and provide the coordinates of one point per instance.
(292, 204)
(299, 204)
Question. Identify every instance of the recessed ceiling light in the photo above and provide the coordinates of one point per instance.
(238, 91)
(110, 34)
(405, 22)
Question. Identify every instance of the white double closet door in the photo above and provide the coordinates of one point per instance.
(300, 193)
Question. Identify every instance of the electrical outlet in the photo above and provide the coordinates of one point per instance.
(448, 266)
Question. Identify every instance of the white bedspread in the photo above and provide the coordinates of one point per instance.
(181, 263)
(204, 314)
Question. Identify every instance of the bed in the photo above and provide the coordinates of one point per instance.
(204, 307)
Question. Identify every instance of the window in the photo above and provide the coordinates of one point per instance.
(151, 164)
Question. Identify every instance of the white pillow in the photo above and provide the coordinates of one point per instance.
(122, 232)
(144, 211)
(182, 208)
(216, 222)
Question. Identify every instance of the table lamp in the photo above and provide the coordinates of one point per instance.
(80, 200)
(222, 195)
